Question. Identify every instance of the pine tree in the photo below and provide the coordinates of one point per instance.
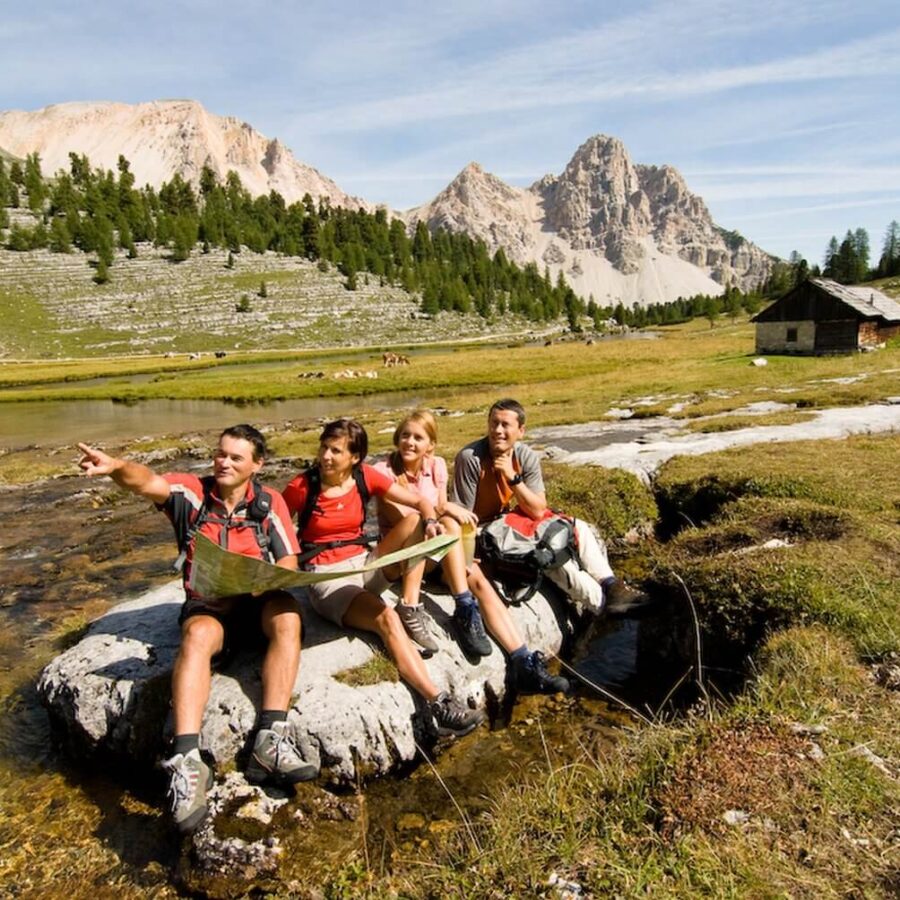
(830, 259)
(101, 276)
(889, 263)
(60, 238)
(861, 248)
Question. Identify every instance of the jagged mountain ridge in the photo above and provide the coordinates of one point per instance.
(161, 138)
(616, 230)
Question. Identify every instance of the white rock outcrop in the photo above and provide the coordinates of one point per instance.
(615, 230)
(109, 694)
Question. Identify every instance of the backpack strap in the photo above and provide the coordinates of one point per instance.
(258, 510)
(312, 549)
(313, 488)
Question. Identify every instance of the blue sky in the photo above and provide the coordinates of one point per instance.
(783, 116)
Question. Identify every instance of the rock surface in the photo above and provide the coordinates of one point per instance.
(614, 229)
(161, 138)
(110, 692)
(642, 446)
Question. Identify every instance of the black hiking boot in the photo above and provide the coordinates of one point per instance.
(451, 717)
(530, 676)
(470, 631)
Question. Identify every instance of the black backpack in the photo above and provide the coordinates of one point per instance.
(515, 551)
(257, 512)
(311, 549)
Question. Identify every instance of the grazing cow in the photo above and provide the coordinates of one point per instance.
(221, 354)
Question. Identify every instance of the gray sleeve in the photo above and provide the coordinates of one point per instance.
(466, 471)
(530, 466)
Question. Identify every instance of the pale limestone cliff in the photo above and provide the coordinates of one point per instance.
(616, 230)
(161, 138)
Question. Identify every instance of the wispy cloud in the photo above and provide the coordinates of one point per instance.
(591, 68)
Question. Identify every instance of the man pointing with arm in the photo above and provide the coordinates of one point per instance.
(231, 508)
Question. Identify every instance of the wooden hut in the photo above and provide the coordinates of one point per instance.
(822, 316)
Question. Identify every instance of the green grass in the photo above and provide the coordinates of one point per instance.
(378, 669)
(735, 422)
(787, 749)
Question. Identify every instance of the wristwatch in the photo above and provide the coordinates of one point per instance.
(516, 479)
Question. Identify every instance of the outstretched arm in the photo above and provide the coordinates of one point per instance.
(131, 476)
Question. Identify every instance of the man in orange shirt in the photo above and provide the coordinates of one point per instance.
(499, 471)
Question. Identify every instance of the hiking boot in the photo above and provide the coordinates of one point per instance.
(451, 717)
(276, 759)
(189, 780)
(621, 598)
(470, 631)
(415, 621)
(530, 676)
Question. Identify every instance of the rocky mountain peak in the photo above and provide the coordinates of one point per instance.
(615, 228)
(160, 138)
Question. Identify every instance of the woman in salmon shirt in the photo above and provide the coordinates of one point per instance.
(332, 535)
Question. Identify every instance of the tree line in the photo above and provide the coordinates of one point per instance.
(97, 211)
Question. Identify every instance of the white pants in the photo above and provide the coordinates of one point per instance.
(581, 583)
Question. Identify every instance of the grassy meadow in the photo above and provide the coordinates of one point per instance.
(782, 779)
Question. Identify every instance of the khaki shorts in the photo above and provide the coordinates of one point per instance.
(331, 599)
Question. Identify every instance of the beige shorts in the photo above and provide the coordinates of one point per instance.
(331, 599)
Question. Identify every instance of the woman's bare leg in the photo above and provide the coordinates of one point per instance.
(369, 613)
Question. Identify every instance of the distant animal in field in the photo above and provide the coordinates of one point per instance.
(311, 375)
(221, 354)
(193, 356)
(355, 373)
(548, 343)
(389, 359)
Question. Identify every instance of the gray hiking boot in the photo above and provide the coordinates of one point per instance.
(470, 630)
(415, 621)
(276, 759)
(189, 780)
(451, 717)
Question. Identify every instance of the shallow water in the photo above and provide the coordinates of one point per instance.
(29, 423)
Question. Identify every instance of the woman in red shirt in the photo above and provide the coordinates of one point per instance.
(333, 532)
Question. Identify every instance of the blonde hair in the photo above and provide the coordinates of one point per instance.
(422, 417)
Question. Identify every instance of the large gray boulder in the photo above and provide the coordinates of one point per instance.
(109, 694)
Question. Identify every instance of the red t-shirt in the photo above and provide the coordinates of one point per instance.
(337, 518)
(183, 507)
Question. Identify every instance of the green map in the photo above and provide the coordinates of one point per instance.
(216, 572)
